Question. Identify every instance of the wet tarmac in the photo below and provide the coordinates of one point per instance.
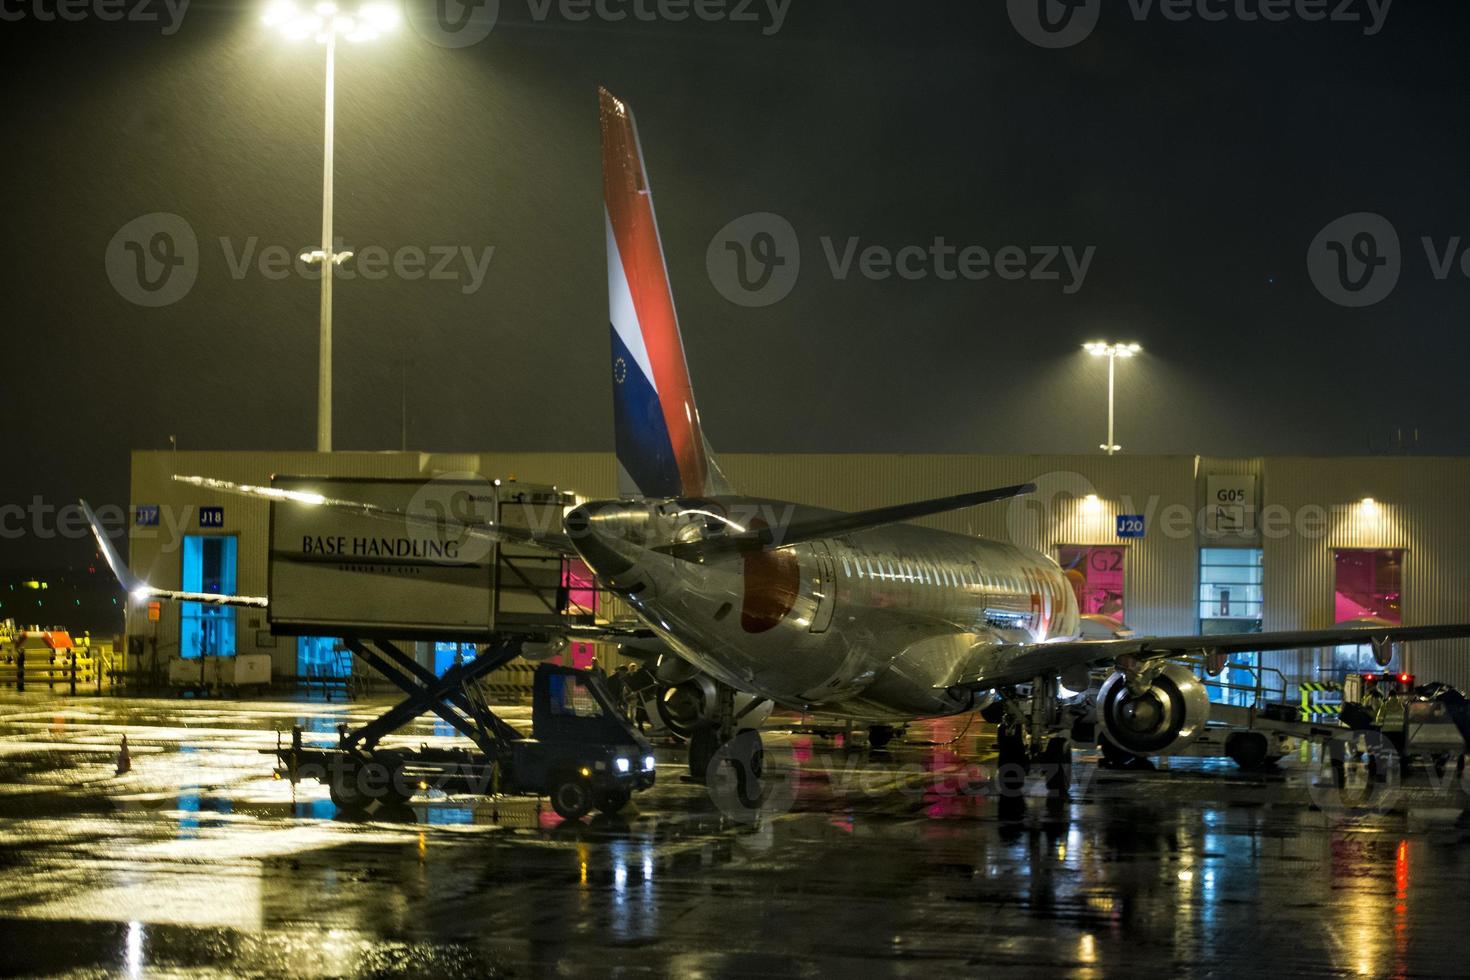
(198, 862)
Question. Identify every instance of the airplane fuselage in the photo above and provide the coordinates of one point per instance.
(873, 625)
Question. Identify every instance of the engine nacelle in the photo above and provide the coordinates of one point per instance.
(1164, 718)
(682, 707)
(677, 699)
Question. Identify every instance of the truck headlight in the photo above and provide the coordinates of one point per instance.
(648, 763)
(622, 763)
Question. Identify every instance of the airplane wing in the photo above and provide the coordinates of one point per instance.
(552, 539)
(1005, 664)
(766, 538)
(142, 591)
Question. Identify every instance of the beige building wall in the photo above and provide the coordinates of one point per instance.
(1419, 511)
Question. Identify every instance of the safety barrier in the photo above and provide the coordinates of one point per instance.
(25, 659)
(1316, 709)
(511, 682)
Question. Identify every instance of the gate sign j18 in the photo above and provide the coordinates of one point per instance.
(1130, 525)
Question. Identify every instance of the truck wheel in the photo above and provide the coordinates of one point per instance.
(394, 790)
(344, 787)
(1248, 750)
(613, 800)
(360, 782)
(571, 796)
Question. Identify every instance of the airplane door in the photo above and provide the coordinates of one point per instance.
(824, 587)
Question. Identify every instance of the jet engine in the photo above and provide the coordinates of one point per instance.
(1165, 717)
(675, 698)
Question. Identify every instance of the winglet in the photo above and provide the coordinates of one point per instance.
(120, 570)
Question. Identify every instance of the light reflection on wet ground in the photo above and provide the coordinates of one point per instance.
(199, 861)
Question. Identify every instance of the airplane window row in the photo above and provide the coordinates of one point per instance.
(923, 571)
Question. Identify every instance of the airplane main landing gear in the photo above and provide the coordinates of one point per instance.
(721, 743)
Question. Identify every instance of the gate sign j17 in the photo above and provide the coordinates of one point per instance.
(1130, 526)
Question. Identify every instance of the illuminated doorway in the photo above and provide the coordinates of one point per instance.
(208, 566)
(1232, 600)
(1368, 588)
(1097, 576)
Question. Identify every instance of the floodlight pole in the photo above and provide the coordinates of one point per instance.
(324, 366)
(1112, 351)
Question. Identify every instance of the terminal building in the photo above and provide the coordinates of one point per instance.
(1169, 545)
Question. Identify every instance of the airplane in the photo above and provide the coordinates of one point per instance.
(749, 602)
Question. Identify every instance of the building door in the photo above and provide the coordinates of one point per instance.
(1368, 587)
(1097, 574)
(322, 657)
(1232, 600)
(208, 566)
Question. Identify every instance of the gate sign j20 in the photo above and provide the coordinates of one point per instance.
(1130, 525)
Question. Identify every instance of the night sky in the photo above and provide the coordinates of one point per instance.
(1200, 159)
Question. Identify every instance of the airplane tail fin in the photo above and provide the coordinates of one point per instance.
(661, 448)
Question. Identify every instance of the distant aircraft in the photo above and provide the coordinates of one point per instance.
(753, 601)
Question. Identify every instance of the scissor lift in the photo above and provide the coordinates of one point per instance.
(582, 752)
(371, 574)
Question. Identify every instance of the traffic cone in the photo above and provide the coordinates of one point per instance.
(124, 760)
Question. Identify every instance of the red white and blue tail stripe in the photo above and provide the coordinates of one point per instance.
(661, 448)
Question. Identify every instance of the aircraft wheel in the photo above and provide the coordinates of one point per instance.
(1010, 744)
(1248, 750)
(704, 744)
(571, 796)
(748, 749)
(880, 735)
(747, 755)
(1056, 761)
(613, 800)
(1115, 757)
